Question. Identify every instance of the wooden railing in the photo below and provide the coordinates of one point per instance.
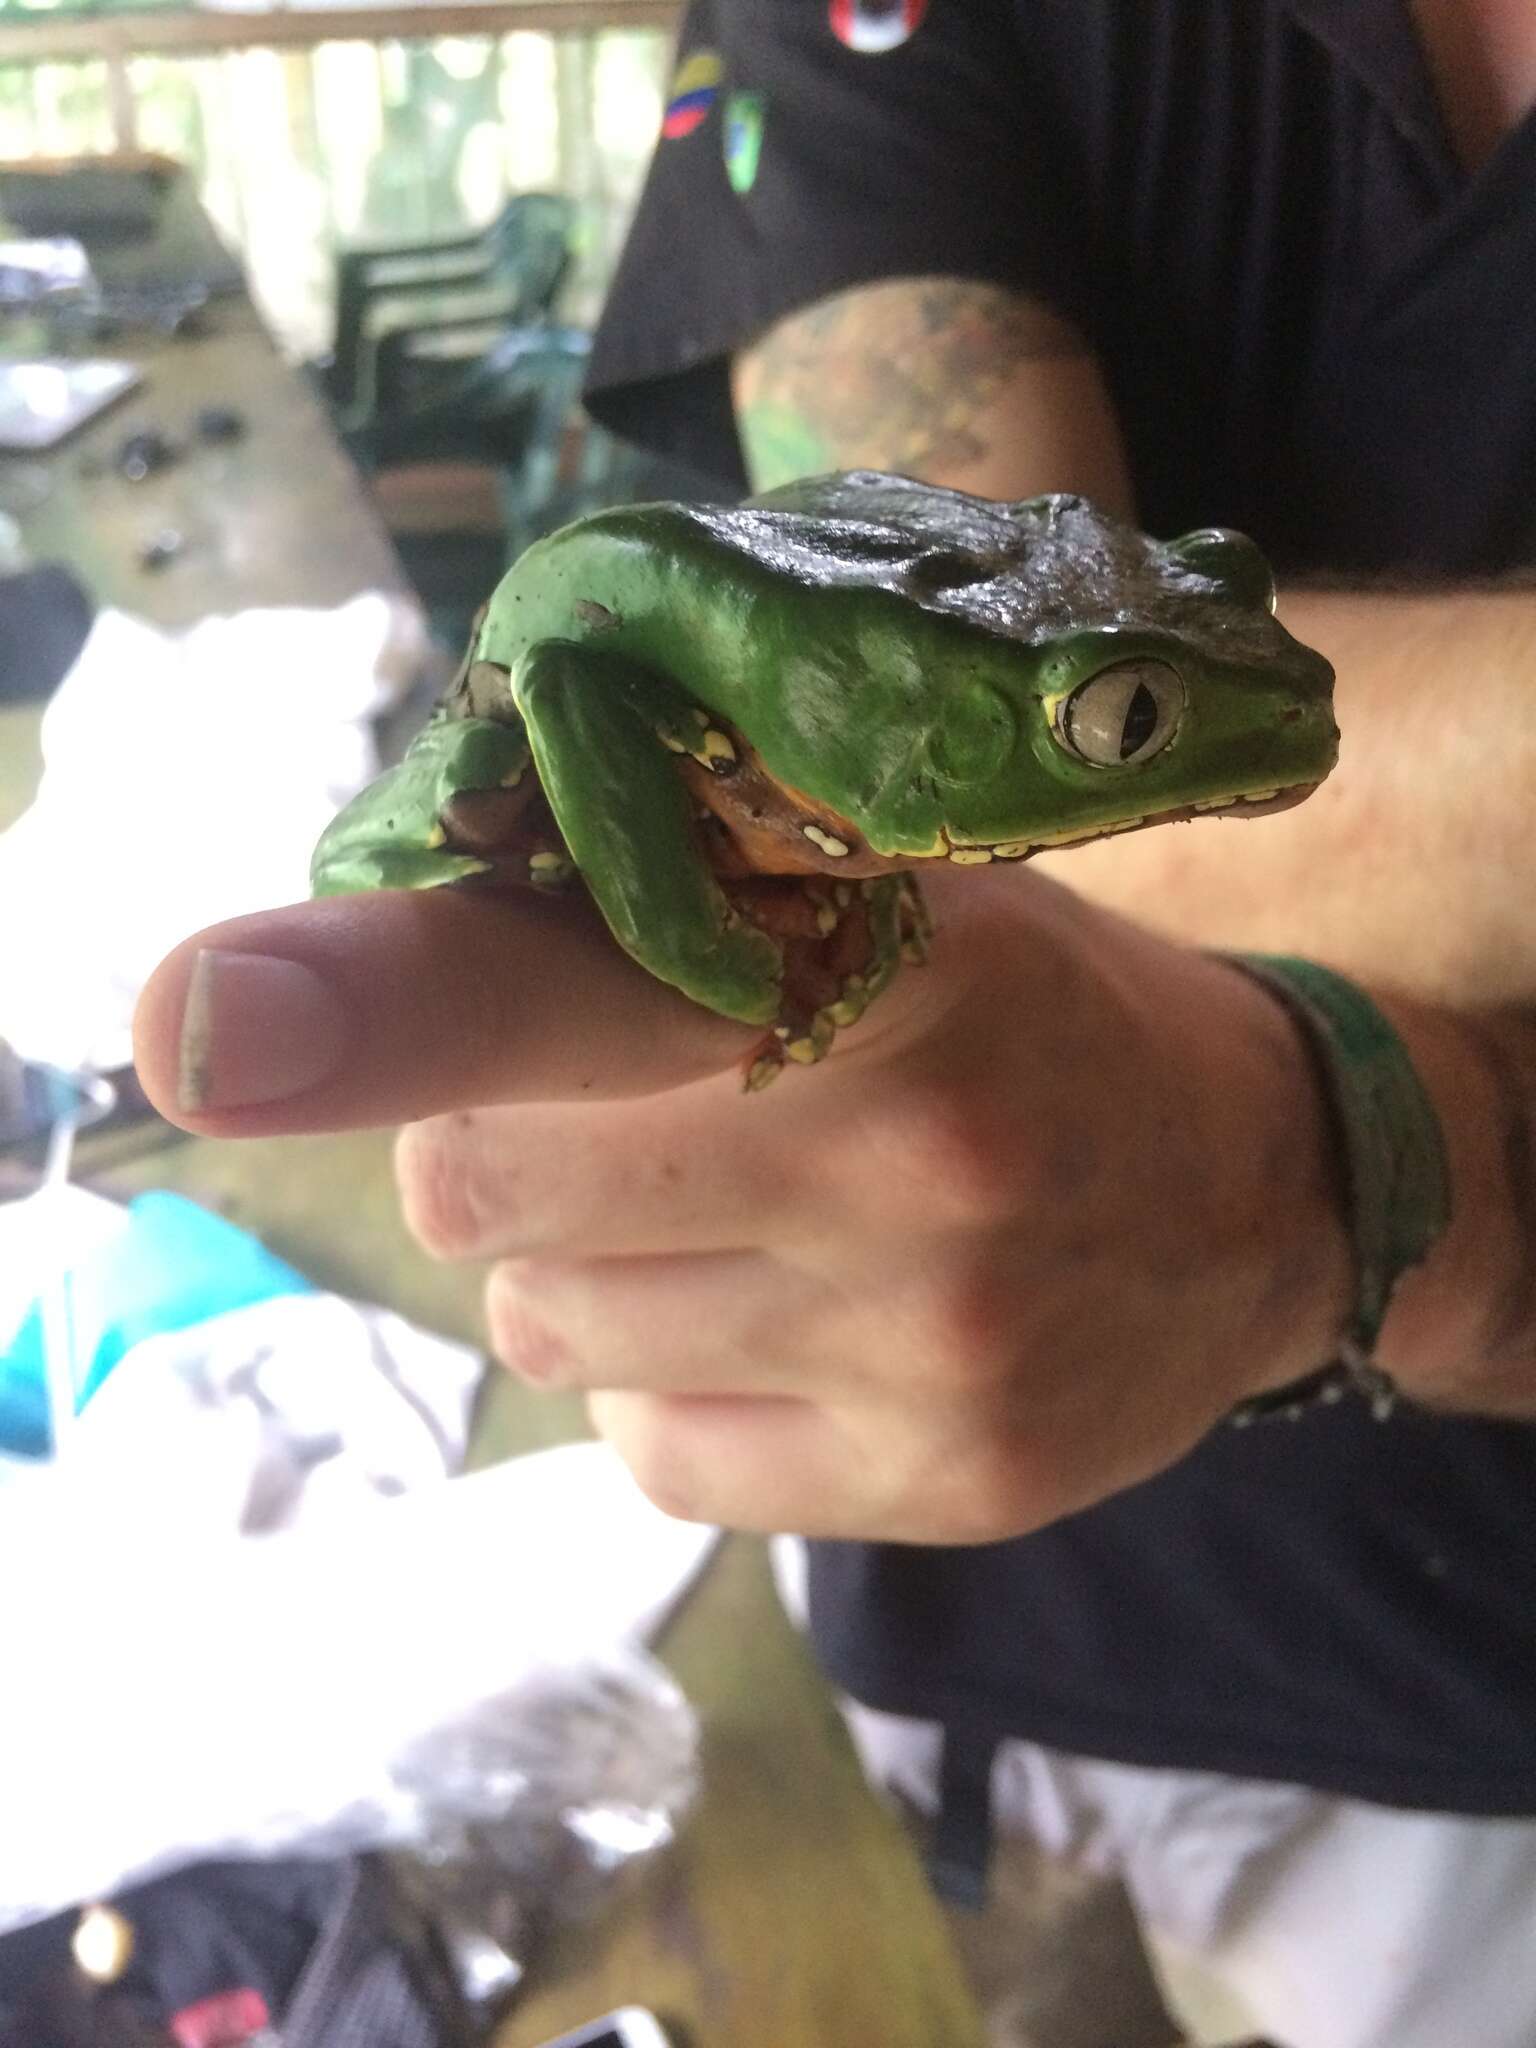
(116, 39)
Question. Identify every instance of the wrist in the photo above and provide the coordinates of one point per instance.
(1294, 1193)
(1262, 1222)
(1462, 1329)
(1391, 1168)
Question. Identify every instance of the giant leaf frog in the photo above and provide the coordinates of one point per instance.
(749, 729)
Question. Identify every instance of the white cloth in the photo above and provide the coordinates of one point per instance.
(186, 778)
(170, 1701)
(1268, 1911)
(267, 1417)
(247, 1420)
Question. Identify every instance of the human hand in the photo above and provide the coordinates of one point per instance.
(1055, 1205)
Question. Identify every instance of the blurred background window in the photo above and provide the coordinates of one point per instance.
(301, 152)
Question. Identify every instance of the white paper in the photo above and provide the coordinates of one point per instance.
(186, 779)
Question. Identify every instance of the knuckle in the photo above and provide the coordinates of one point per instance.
(636, 1426)
(668, 1485)
(441, 1172)
(520, 1337)
(429, 1176)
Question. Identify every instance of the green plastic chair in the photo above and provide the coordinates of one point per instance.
(397, 307)
(516, 409)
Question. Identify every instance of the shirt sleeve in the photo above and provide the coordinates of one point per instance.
(809, 146)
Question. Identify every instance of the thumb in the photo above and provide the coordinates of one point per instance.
(381, 1008)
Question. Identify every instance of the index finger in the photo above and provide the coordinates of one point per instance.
(385, 1007)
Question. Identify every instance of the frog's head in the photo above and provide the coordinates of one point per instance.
(1097, 710)
(1077, 678)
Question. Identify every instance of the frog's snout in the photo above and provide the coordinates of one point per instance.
(1267, 806)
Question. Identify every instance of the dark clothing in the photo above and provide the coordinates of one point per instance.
(45, 620)
(331, 1953)
(1317, 328)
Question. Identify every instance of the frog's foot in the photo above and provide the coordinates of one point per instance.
(513, 832)
(841, 943)
(914, 920)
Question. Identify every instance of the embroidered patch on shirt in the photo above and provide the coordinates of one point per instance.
(745, 113)
(694, 92)
(229, 2019)
(874, 26)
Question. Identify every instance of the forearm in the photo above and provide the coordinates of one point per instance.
(1462, 1330)
(1409, 871)
(1410, 866)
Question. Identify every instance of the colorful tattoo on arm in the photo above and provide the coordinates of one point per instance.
(892, 376)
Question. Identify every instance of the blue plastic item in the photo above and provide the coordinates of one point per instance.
(173, 1266)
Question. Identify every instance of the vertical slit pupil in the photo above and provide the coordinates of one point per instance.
(1140, 722)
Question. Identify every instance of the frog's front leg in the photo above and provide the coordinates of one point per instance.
(596, 722)
(615, 746)
(461, 804)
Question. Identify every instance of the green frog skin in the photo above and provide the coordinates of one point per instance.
(748, 729)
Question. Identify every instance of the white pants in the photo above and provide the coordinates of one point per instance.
(1266, 1911)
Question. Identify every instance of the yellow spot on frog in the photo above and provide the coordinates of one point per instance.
(1079, 832)
(970, 856)
(835, 847)
(437, 837)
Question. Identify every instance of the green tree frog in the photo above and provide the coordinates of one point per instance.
(749, 729)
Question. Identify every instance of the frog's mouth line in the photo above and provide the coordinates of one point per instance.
(1260, 803)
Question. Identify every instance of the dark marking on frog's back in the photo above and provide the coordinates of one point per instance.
(1029, 571)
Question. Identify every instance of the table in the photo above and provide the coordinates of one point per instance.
(276, 517)
(792, 1912)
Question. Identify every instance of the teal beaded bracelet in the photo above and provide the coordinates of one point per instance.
(1392, 1162)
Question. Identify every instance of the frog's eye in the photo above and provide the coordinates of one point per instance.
(1231, 560)
(1123, 715)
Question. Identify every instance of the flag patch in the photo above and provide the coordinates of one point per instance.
(876, 25)
(694, 92)
(745, 113)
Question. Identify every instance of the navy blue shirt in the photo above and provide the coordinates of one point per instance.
(1319, 328)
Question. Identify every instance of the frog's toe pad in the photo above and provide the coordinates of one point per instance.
(762, 1066)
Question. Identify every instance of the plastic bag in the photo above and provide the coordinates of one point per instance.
(528, 1813)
